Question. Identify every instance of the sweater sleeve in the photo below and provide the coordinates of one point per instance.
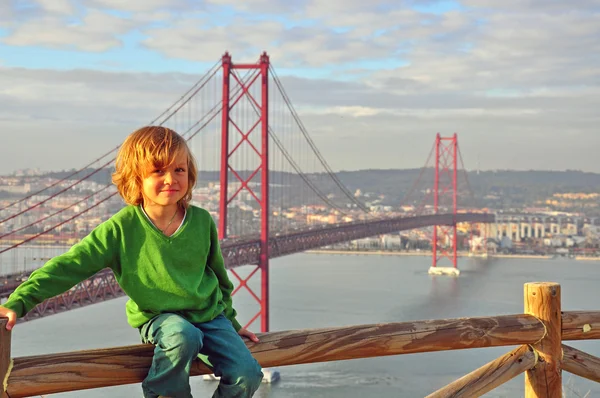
(93, 253)
(216, 263)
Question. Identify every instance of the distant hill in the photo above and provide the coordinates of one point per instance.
(519, 188)
(501, 189)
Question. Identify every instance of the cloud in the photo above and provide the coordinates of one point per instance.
(291, 45)
(140, 5)
(258, 6)
(518, 80)
(57, 6)
(63, 119)
(199, 40)
(332, 8)
(6, 11)
(87, 96)
(97, 32)
(539, 6)
(355, 125)
(519, 51)
(319, 34)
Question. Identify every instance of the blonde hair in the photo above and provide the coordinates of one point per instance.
(150, 146)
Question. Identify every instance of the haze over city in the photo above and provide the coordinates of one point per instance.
(372, 81)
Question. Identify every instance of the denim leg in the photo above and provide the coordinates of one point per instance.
(177, 342)
(240, 373)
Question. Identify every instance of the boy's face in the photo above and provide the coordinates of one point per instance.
(168, 185)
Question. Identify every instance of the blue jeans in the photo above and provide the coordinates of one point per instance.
(178, 342)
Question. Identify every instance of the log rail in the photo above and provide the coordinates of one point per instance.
(538, 335)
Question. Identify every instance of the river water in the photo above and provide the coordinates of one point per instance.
(324, 290)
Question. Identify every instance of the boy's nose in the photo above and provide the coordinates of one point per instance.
(168, 178)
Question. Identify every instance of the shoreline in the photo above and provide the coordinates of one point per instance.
(428, 254)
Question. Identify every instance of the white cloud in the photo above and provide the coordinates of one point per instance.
(538, 6)
(57, 6)
(6, 11)
(514, 78)
(355, 125)
(332, 8)
(86, 95)
(351, 111)
(97, 32)
(198, 40)
(140, 5)
(342, 32)
(45, 114)
(290, 46)
(258, 6)
(521, 52)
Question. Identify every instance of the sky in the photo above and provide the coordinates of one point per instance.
(373, 81)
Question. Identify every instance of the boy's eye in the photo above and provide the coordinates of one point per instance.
(181, 169)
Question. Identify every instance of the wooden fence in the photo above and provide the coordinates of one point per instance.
(538, 333)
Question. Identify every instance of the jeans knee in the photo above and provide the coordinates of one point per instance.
(248, 376)
(183, 342)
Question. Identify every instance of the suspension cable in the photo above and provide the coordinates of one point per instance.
(206, 76)
(108, 185)
(57, 225)
(418, 180)
(57, 193)
(304, 131)
(295, 165)
(55, 213)
(471, 193)
(303, 175)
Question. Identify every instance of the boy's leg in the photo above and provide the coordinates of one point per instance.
(240, 373)
(177, 342)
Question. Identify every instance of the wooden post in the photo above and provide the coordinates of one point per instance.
(4, 356)
(542, 300)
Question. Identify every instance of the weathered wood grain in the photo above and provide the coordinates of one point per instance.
(581, 363)
(581, 325)
(4, 355)
(489, 376)
(542, 300)
(47, 374)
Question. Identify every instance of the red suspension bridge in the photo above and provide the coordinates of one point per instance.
(260, 175)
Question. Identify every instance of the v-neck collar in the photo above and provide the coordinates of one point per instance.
(155, 228)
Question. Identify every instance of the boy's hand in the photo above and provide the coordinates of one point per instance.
(246, 333)
(11, 315)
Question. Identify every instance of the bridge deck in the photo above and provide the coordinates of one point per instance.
(103, 285)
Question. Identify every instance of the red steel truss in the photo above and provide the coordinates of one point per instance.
(445, 186)
(229, 103)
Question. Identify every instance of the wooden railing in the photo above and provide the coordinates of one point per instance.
(538, 333)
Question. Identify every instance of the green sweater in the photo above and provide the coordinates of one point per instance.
(182, 274)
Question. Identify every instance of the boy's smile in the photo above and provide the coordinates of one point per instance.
(167, 185)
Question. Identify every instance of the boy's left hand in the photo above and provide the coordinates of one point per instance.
(246, 333)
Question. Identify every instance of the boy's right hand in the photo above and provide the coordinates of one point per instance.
(11, 315)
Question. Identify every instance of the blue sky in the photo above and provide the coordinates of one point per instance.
(519, 81)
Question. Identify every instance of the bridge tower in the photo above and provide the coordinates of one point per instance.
(445, 194)
(230, 100)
